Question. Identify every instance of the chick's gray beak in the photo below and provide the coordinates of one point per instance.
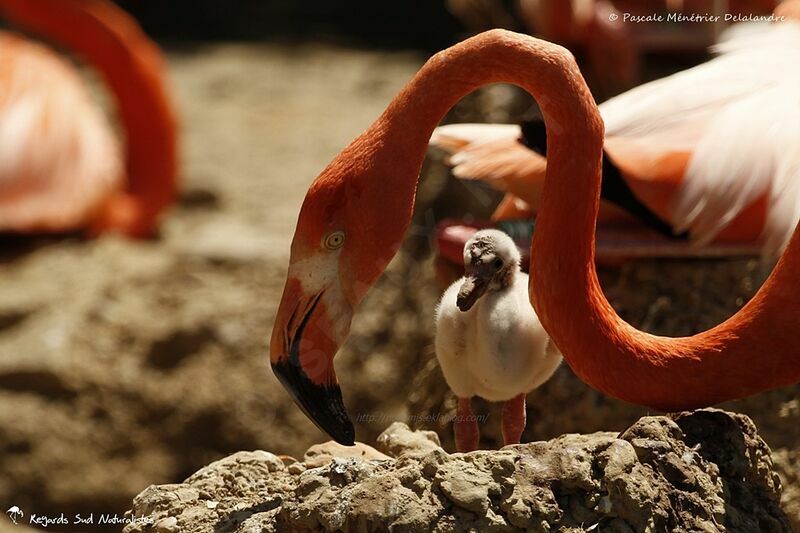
(473, 288)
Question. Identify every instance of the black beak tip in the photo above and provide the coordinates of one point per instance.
(346, 435)
(322, 404)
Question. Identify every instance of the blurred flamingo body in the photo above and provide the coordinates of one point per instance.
(601, 33)
(710, 150)
(62, 167)
(358, 210)
(59, 159)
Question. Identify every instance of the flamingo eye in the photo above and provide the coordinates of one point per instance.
(333, 240)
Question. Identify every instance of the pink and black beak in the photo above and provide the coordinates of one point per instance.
(301, 354)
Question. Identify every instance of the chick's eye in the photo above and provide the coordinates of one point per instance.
(498, 263)
(333, 240)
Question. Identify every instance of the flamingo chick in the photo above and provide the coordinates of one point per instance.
(489, 341)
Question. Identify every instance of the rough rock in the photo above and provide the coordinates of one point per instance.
(322, 454)
(699, 471)
(398, 439)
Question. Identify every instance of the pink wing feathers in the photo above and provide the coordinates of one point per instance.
(712, 149)
(59, 158)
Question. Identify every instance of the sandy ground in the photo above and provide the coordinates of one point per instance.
(124, 364)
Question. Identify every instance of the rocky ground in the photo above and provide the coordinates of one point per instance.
(124, 364)
(700, 471)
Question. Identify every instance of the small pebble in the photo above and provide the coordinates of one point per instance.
(167, 525)
(296, 468)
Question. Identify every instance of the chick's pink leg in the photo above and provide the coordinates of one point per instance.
(513, 419)
(465, 427)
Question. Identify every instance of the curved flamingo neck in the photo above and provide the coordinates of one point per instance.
(546, 70)
(749, 353)
(132, 67)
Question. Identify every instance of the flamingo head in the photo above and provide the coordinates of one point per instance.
(350, 226)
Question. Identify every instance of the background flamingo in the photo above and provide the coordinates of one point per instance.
(61, 166)
(357, 211)
(613, 49)
(709, 151)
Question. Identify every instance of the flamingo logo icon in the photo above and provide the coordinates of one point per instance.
(15, 513)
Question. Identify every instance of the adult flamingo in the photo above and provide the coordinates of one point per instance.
(710, 150)
(61, 167)
(357, 211)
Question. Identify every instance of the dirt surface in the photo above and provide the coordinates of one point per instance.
(701, 471)
(124, 364)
